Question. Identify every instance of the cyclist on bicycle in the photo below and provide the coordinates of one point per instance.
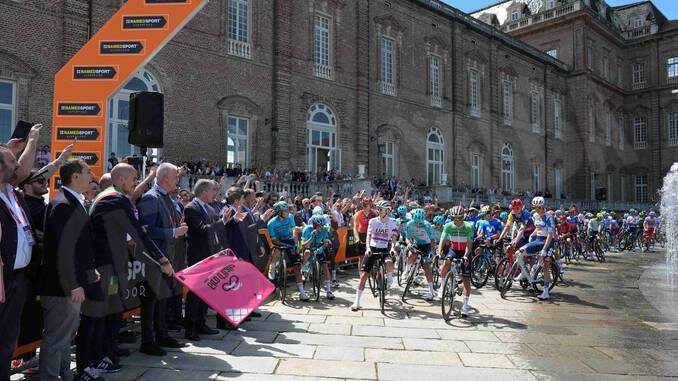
(382, 232)
(459, 234)
(632, 227)
(487, 229)
(593, 229)
(315, 239)
(438, 222)
(542, 240)
(420, 233)
(523, 219)
(280, 229)
(649, 226)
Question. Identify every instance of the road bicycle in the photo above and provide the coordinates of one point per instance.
(529, 275)
(413, 270)
(281, 270)
(482, 265)
(451, 288)
(311, 275)
(377, 279)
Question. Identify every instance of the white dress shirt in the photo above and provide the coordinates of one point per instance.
(23, 248)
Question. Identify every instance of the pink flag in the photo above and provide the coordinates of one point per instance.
(232, 287)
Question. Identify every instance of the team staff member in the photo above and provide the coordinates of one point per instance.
(360, 222)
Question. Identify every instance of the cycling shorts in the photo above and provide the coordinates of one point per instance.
(537, 244)
(292, 255)
(370, 258)
(459, 254)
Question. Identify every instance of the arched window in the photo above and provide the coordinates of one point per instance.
(507, 168)
(322, 153)
(434, 157)
(118, 114)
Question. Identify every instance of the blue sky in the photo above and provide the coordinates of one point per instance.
(668, 7)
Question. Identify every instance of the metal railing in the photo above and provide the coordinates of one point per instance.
(542, 16)
(640, 145)
(638, 85)
(388, 88)
(638, 32)
(239, 48)
(324, 71)
(436, 101)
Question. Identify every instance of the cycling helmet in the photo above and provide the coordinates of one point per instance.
(599, 216)
(641, 215)
(503, 215)
(402, 209)
(457, 211)
(383, 204)
(439, 220)
(626, 215)
(418, 215)
(632, 211)
(318, 210)
(538, 201)
(367, 201)
(484, 210)
(589, 215)
(517, 203)
(280, 206)
(652, 214)
(559, 212)
(317, 220)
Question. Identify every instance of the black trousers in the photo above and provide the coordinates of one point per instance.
(153, 315)
(10, 316)
(90, 342)
(196, 312)
(112, 324)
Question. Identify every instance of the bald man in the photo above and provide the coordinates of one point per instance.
(115, 222)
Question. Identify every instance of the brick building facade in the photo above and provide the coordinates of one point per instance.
(413, 88)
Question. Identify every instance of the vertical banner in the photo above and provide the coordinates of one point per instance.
(131, 38)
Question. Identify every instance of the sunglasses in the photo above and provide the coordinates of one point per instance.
(39, 181)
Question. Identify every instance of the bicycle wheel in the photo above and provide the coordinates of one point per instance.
(411, 275)
(315, 271)
(553, 269)
(600, 253)
(449, 291)
(435, 270)
(373, 282)
(501, 273)
(382, 286)
(480, 271)
(401, 266)
(508, 280)
(281, 278)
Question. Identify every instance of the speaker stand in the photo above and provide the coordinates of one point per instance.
(144, 152)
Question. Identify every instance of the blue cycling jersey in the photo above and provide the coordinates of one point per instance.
(489, 228)
(419, 233)
(317, 237)
(545, 224)
(281, 229)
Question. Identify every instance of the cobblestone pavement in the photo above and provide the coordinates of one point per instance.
(599, 325)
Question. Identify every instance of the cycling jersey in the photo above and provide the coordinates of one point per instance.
(281, 229)
(419, 233)
(522, 219)
(402, 224)
(594, 225)
(317, 237)
(457, 235)
(545, 224)
(488, 228)
(362, 220)
(649, 222)
(382, 233)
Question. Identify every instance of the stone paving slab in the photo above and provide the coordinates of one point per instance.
(339, 353)
(397, 372)
(196, 361)
(435, 345)
(412, 357)
(363, 330)
(487, 360)
(326, 368)
(345, 341)
(274, 350)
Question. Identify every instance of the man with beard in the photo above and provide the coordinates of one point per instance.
(16, 242)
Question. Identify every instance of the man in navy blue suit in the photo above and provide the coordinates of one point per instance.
(164, 225)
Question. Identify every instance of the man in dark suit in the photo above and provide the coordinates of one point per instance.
(68, 272)
(204, 229)
(163, 224)
(115, 222)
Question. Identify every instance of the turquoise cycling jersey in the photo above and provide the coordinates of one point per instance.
(419, 233)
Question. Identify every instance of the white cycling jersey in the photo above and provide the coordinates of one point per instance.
(382, 233)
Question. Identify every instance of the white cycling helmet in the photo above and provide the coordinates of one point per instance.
(538, 201)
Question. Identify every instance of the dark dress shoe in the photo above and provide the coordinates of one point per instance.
(191, 335)
(255, 314)
(122, 352)
(174, 327)
(225, 325)
(152, 349)
(127, 337)
(169, 342)
(205, 330)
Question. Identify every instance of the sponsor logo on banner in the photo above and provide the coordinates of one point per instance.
(94, 72)
(144, 22)
(168, 2)
(80, 133)
(84, 109)
(121, 47)
(90, 158)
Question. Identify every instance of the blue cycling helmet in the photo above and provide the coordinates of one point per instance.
(280, 206)
(317, 220)
(418, 215)
(503, 215)
(402, 209)
(439, 220)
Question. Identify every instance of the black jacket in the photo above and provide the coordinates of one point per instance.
(9, 240)
(202, 238)
(68, 259)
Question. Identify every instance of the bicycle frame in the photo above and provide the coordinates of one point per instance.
(530, 272)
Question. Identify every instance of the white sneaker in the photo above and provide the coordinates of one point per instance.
(440, 292)
(464, 309)
(389, 282)
(303, 297)
(429, 297)
(271, 272)
(561, 267)
(355, 307)
(544, 295)
(329, 295)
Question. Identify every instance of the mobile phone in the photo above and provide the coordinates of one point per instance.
(21, 130)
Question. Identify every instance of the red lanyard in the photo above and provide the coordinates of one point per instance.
(10, 207)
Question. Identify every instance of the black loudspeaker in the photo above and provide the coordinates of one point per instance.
(146, 119)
